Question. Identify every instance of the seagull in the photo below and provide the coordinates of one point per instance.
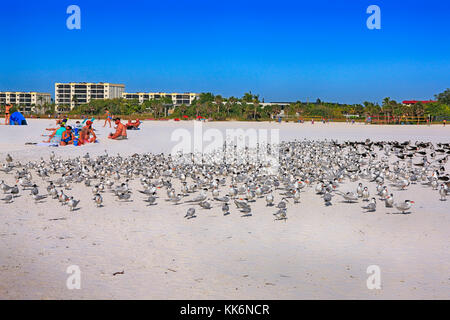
(443, 193)
(296, 196)
(404, 206)
(359, 190)
(224, 199)
(389, 201)
(349, 196)
(4, 187)
(175, 199)
(327, 198)
(53, 193)
(205, 205)
(151, 200)
(402, 184)
(37, 197)
(247, 210)
(383, 193)
(8, 198)
(98, 200)
(14, 191)
(241, 203)
(149, 191)
(371, 206)
(72, 203)
(281, 214)
(269, 200)
(62, 197)
(124, 196)
(190, 213)
(225, 209)
(365, 194)
(201, 197)
(35, 190)
(282, 203)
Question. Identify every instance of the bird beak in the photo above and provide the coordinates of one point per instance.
(412, 201)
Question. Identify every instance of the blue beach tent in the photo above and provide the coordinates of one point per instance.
(17, 119)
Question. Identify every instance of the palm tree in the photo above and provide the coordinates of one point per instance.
(387, 108)
(248, 97)
(255, 105)
(218, 100)
(75, 100)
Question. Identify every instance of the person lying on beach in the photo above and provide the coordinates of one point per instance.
(133, 125)
(58, 124)
(67, 136)
(85, 134)
(56, 133)
(121, 131)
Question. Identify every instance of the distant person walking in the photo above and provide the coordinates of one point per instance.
(108, 118)
(445, 121)
(7, 113)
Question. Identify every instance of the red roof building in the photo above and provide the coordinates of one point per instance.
(415, 101)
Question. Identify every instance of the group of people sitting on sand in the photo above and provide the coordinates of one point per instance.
(66, 134)
(83, 133)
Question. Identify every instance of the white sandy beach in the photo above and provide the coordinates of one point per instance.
(318, 253)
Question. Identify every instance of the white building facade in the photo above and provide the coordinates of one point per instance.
(76, 93)
(25, 101)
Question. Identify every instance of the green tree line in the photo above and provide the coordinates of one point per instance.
(249, 107)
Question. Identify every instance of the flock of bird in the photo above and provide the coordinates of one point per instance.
(322, 166)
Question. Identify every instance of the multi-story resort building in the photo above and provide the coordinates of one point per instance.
(25, 101)
(72, 94)
(177, 98)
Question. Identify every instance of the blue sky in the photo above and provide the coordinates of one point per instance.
(282, 50)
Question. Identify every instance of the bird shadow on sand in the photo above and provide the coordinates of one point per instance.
(226, 214)
(246, 215)
(409, 212)
(189, 218)
(76, 209)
